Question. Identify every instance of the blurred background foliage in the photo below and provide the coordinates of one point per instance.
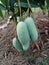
(18, 7)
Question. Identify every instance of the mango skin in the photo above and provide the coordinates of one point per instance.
(23, 35)
(17, 45)
(33, 32)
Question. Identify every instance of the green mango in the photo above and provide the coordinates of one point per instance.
(32, 28)
(17, 45)
(23, 35)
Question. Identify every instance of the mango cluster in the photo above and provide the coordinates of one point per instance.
(26, 32)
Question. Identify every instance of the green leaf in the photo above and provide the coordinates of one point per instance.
(45, 61)
(7, 5)
(1, 13)
(39, 63)
(47, 2)
(3, 1)
(2, 6)
(33, 58)
(25, 5)
(11, 3)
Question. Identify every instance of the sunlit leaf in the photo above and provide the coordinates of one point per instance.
(3, 1)
(2, 6)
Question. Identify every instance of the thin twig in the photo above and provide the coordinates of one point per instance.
(37, 46)
(29, 4)
(41, 41)
(19, 7)
(5, 25)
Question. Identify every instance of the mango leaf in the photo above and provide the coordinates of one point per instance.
(1, 13)
(2, 6)
(47, 1)
(3, 1)
(25, 5)
(11, 3)
(7, 5)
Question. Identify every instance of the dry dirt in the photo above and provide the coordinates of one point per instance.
(10, 56)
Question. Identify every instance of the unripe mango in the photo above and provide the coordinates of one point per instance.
(17, 45)
(32, 28)
(23, 35)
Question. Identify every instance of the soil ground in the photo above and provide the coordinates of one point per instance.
(10, 56)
